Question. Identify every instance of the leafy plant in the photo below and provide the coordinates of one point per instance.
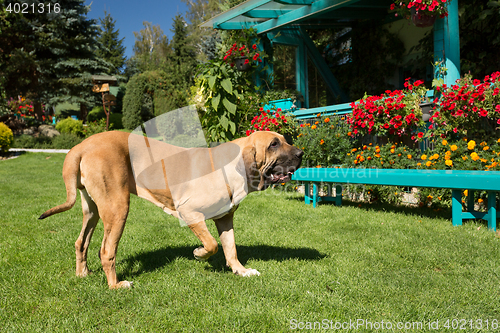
(95, 127)
(468, 108)
(325, 141)
(223, 88)
(67, 140)
(70, 125)
(244, 44)
(394, 114)
(6, 137)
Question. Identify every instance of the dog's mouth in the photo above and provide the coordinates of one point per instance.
(280, 178)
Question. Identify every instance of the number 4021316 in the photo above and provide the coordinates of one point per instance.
(39, 8)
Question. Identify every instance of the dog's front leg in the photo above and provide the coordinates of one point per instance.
(209, 247)
(226, 234)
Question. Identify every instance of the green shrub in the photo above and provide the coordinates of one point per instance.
(28, 141)
(6, 137)
(95, 127)
(70, 125)
(96, 114)
(116, 120)
(65, 141)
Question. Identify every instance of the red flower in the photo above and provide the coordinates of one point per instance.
(420, 135)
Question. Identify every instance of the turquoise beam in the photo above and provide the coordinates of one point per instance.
(301, 74)
(237, 11)
(447, 44)
(322, 67)
(302, 13)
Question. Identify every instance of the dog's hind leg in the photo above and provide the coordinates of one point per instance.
(209, 247)
(90, 219)
(113, 212)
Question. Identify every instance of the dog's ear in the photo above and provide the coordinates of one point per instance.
(254, 178)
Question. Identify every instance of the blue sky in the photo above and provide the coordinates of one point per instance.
(129, 15)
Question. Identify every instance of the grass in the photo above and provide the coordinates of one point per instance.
(345, 263)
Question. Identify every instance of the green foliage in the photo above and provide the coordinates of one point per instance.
(133, 102)
(97, 126)
(63, 141)
(70, 125)
(6, 137)
(324, 141)
(66, 141)
(116, 120)
(96, 113)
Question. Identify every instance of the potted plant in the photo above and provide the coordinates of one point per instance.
(423, 13)
(244, 53)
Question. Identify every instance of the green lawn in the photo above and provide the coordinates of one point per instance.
(338, 264)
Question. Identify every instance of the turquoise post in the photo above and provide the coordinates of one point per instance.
(307, 193)
(470, 201)
(315, 195)
(301, 73)
(456, 207)
(447, 43)
(338, 195)
(492, 210)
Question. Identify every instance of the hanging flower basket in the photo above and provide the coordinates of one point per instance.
(422, 19)
(242, 64)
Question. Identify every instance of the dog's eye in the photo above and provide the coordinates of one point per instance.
(274, 144)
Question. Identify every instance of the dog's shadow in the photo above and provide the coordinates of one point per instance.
(153, 260)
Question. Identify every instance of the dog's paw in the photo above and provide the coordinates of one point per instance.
(250, 272)
(122, 285)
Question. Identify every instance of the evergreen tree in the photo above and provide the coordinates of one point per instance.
(113, 50)
(50, 58)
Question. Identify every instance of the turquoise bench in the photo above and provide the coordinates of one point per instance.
(456, 180)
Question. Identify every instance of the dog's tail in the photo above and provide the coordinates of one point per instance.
(71, 169)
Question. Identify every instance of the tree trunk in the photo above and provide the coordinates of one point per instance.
(37, 108)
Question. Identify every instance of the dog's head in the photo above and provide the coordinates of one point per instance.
(269, 159)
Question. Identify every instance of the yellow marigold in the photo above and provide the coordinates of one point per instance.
(377, 150)
(483, 143)
(474, 156)
(322, 141)
(349, 133)
(361, 159)
(377, 155)
(318, 115)
(449, 163)
(354, 149)
(484, 160)
(409, 156)
(392, 151)
(316, 123)
(429, 197)
(448, 153)
(466, 192)
(471, 144)
(419, 164)
(486, 148)
(498, 140)
(435, 156)
(313, 127)
(428, 163)
(480, 200)
(453, 147)
(464, 158)
(447, 157)
(424, 157)
(318, 166)
(327, 120)
(382, 162)
(444, 142)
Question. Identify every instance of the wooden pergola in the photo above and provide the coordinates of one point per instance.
(286, 21)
